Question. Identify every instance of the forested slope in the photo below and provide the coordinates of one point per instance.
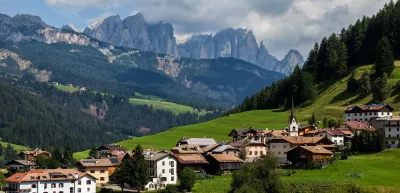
(371, 40)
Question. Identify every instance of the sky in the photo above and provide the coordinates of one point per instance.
(281, 24)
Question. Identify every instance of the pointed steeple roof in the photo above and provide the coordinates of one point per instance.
(292, 115)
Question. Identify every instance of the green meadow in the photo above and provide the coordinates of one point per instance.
(380, 173)
(164, 105)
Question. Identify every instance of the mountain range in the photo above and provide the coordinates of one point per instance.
(29, 45)
(135, 32)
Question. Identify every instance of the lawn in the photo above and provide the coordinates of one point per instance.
(158, 103)
(380, 173)
(66, 88)
(17, 148)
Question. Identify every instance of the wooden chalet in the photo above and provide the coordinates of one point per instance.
(220, 164)
(32, 155)
(301, 155)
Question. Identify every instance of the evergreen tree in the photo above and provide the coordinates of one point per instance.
(1, 150)
(313, 119)
(384, 58)
(57, 155)
(259, 176)
(68, 158)
(365, 84)
(140, 172)
(323, 56)
(122, 174)
(9, 153)
(311, 64)
(380, 141)
(381, 90)
(187, 179)
(93, 152)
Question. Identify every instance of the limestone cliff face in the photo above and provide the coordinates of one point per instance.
(236, 43)
(290, 61)
(134, 32)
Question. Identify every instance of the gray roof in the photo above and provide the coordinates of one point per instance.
(201, 141)
(223, 148)
(22, 162)
(156, 156)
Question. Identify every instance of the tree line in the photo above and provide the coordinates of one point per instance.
(371, 40)
(39, 115)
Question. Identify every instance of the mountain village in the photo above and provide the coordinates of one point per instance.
(296, 146)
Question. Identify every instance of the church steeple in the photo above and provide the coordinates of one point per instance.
(293, 128)
(292, 115)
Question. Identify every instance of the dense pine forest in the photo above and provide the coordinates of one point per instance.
(39, 115)
(371, 40)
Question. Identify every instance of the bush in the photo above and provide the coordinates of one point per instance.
(187, 179)
(170, 189)
(105, 190)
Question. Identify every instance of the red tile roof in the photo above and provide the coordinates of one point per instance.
(190, 159)
(226, 158)
(373, 107)
(358, 125)
(36, 175)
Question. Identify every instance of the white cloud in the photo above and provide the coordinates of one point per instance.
(281, 24)
(100, 17)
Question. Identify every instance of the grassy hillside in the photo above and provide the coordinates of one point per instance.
(164, 105)
(17, 148)
(379, 174)
(331, 102)
(66, 88)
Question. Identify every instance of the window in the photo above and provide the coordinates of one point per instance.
(88, 189)
(45, 185)
(61, 185)
(387, 113)
(397, 129)
(33, 185)
(341, 141)
(163, 171)
(102, 171)
(366, 119)
(61, 192)
(284, 146)
(250, 153)
(398, 136)
(393, 142)
(360, 114)
(171, 163)
(163, 163)
(71, 190)
(53, 185)
(279, 153)
(172, 171)
(348, 119)
(79, 182)
(101, 178)
(172, 179)
(294, 129)
(92, 171)
(390, 129)
(374, 113)
(390, 136)
(79, 190)
(255, 152)
(88, 182)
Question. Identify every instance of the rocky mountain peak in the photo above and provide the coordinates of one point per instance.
(29, 20)
(70, 27)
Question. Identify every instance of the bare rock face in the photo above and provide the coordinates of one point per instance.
(134, 32)
(290, 61)
(237, 43)
(70, 27)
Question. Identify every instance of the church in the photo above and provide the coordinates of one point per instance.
(294, 129)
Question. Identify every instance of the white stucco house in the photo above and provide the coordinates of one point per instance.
(336, 136)
(364, 113)
(162, 168)
(51, 181)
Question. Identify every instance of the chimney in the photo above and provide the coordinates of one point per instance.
(179, 144)
(151, 154)
(96, 161)
(76, 175)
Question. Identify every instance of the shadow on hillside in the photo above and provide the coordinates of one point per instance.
(344, 96)
(397, 94)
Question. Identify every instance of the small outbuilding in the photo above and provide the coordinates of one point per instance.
(220, 164)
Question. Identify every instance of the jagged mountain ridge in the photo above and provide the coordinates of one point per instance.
(226, 80)
(134, 32)
(238, 43)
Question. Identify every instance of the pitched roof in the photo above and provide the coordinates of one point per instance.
(316, 149)
(199, 141)
(187, 148)
(157, 156)
(226, 158)
(222, 148)
(21, 162)
(210, 147)
(103, 162)
(359, 126)
(372, 107)
(53, 174)
(275, 133)
(112, 147)
(332, 132)
(190, 159)
(297, 140)
(35, 152)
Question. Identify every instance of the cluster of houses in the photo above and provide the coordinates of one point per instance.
(295, 145)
